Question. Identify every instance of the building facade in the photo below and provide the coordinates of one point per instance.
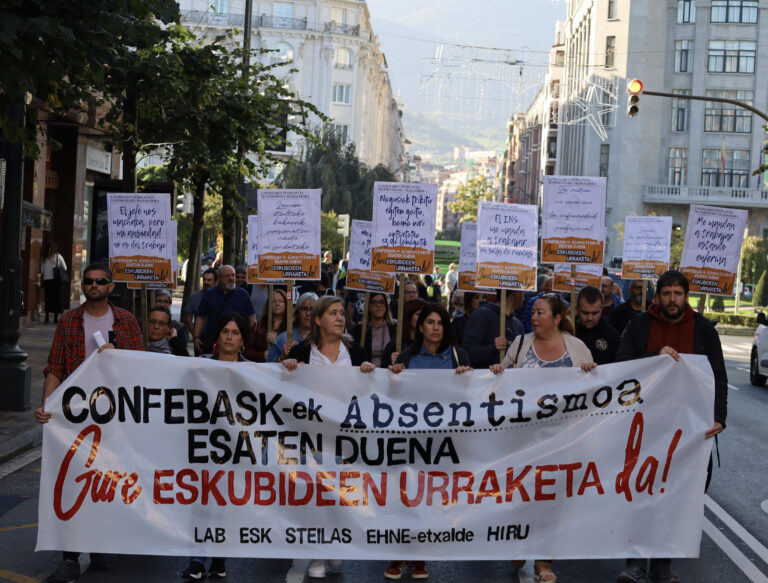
(338, 65)
(675, 152)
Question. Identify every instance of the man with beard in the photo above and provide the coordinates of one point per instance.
(671, 327)
(222, 299)
(73, 342)
(630, 309)
(601, 338)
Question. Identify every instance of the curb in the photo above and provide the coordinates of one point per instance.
(21, 443)
(725, 330)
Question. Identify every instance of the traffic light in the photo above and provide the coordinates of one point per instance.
(343, 225)
(634, 89)
(184, 202)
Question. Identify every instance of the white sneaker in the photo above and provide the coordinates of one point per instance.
(316, 569)
(335, 565)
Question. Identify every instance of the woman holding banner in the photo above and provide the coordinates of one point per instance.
(258, 348)
(302, 325)
(433, 347)
(380, 330)
(411, 311)
(551, 344)
(327, 346)
(232, 333)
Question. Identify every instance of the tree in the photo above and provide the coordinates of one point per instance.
(469, 195)
(329, 234)
(760, 297)
(332, 165)
(754, 258)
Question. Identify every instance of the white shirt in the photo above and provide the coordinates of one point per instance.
(91, 324)
(343, 359)
(46, 267)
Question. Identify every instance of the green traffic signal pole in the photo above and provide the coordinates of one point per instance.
(705, 98)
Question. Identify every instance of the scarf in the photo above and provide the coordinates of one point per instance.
(163, 346)
(664, 333)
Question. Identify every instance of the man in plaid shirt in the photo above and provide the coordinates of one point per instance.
(73, 342)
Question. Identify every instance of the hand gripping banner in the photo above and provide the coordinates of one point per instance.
(200, 457)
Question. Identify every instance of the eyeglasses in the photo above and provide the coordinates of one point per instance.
(158, 323)
(97, 281)
(377, 303)
(305, 309)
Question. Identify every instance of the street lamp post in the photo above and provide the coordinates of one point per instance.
(16, 374)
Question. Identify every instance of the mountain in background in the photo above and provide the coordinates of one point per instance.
(435, 137)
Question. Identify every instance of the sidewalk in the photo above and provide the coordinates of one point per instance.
(19, 431)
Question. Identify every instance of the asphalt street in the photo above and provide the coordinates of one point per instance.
(733, 548)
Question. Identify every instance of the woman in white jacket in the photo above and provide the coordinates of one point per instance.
(551, 344)
(51, 269)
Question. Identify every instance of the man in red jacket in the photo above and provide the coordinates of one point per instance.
(74, 341)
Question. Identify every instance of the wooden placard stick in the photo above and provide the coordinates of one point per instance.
(503, 321)
(144, 311)
(400, 302)
(289, 311)
(270, 298)
(365, 319)
(642, 301)
(572, 307)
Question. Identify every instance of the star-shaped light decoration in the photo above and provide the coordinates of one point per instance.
(599, 100)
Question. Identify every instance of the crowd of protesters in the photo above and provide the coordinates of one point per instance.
(443, 328)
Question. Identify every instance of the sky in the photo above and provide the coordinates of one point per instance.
(410, 30)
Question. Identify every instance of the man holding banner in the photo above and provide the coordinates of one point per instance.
(672, 327)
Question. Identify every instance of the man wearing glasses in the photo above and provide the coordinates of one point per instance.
(74, 341)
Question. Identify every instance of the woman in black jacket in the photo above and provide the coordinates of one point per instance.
(380, 330)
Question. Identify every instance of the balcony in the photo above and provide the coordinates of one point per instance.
(342, 28)
(281, 22)
(215, 18)
(709, 195)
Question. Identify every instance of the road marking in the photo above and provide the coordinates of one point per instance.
(7, 528)
(730, 386)
(297, 571)
(738, 558)
(20, 461)
(737, 529)
(16, 577)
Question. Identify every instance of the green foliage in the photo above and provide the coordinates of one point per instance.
(347, 183)
(64, 52)
(152, 173)
(449, 235)
(760, 296)
(717, 304)
(329, 236)
(754, 258)
(469, 194)
(749, 321)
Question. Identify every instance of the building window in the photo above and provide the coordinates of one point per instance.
(726, 117)
(734, 11)
(219, 6)
(731, 56)
(681, 110)
(683, 56)
(339, 16)
(341, 131)
(726, 168)
(677, 167)
(554, 89)
(611, 9)
(604, 156)
(282, 14)
(610, 50)
(282, 53)
(342, 58)
(559, 58)
(342, 93)
(686, 11)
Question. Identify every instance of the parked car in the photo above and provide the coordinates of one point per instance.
(758, 360)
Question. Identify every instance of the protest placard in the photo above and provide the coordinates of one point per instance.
(172, 244)
(359, 274)
(139, 248)
(468, 258)
(712, 248)
(573, 220)
(250, 460)
(646, 247)
(586, 274)
(403, 227)
(507, 237)
(288, 234)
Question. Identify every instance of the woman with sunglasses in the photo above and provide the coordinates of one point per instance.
(302, 325)
(327, 346)
(433, 347)
(551, 344)
(257, 349)
(380, 330)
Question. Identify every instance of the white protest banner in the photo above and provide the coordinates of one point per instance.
(289, 234)
(712, 248)
(573, 219)
(646, 247)
(359, 274)
(507, 237)
(403, 227)
(194, 456)
(137, 225)
(586, 274)
(468, 258)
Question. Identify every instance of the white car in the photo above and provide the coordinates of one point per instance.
(758, 361)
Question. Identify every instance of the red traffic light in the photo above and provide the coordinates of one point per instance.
(634, 87)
